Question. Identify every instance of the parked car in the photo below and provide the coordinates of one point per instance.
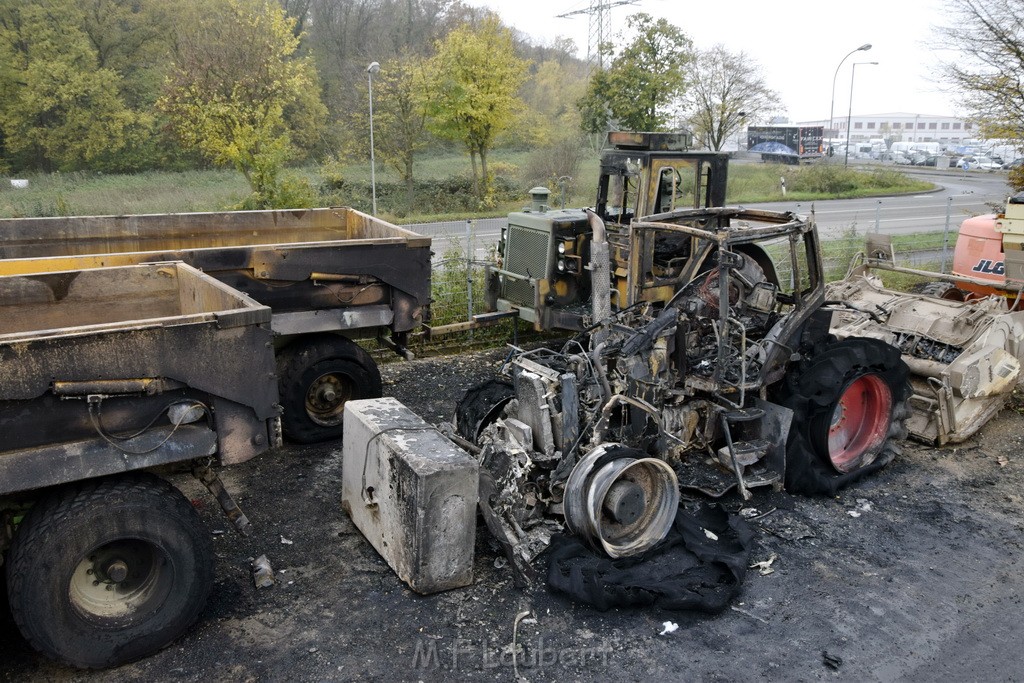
(1016, 163)
(985, 163)
(978, 163)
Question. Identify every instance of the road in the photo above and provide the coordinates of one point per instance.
(961, 195)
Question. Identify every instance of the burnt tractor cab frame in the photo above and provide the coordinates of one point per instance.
(543, 276)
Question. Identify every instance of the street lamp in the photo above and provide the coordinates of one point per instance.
(370, 71)
(831, 111)
(849, 113)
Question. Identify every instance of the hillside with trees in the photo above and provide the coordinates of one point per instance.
(270, 87)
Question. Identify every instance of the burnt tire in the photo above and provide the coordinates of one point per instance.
(109, 571)
(850, 403)
(480, 406)
(316, 378)
(940, 290)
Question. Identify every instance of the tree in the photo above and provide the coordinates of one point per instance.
(234, 76)
(60, 107)
(550, 95)
(988, 71)
(645, 79)
(474, 77)
(346, 35)
(132, 38)
(726, 90)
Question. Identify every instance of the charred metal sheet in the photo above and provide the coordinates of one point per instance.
(385, 259)
(329, 320)
(44, 466)
(241, 433)
(236, 363)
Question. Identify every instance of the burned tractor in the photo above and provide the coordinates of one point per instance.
(702, 361)
(543, 275)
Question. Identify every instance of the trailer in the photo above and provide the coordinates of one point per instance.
(330, 276)
(110, 374)
(786, 144)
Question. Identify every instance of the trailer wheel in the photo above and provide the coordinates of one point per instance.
(105, 572)
(317, 377)
(850, 403)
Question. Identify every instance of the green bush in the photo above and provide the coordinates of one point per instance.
(286, 192)
(823, 178)
(453, 194)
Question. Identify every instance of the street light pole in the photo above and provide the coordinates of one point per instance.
(832, 108)
(849, 113)
(370, 71)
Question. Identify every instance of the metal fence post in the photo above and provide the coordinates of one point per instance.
(945, 232)
(469, 271)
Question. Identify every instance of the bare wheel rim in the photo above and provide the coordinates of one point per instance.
(121, 579)
(860, 423)
(624, 506)
(326, 397)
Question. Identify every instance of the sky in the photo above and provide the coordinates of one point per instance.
(798, 43)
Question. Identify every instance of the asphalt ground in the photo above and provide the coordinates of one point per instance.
(914, 574)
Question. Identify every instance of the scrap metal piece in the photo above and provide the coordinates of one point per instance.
(205, 474)
(262, 574)
(534, 410)
(965, 356)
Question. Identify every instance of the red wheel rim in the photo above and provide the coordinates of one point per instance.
(860, 423)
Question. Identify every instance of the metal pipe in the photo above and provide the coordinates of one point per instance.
(849, 113)
(600, 276)
(945, 233)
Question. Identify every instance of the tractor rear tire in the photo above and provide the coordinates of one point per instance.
(850, 403)
(108, 571)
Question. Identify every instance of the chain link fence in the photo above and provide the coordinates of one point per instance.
(928, 249)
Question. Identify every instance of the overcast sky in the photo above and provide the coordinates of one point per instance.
(798, 43)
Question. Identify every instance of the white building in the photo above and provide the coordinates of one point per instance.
(948, 131)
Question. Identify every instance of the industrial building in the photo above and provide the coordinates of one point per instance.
(948, 131)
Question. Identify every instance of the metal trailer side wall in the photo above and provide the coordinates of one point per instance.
(318, 269)
(135, 340)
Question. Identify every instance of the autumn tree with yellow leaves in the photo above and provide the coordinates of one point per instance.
(236, 89)
(474, 80)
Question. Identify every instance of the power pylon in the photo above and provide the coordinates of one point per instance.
(598, 14)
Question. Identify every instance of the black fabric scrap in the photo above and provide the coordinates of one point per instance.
(688, 570)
